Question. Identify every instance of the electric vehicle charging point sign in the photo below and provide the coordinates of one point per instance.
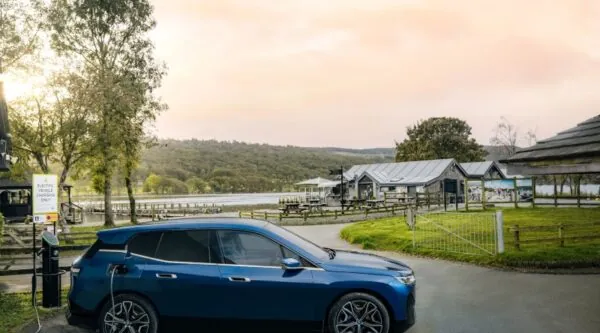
(45, 198)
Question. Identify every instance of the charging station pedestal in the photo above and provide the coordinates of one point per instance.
(51, 283)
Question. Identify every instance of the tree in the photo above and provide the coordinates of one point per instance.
(505, 137)
(110, 38)
(20, 26)
(439, 138)
(34, 129)
(197, 185)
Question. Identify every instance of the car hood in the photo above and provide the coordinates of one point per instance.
(360, 262)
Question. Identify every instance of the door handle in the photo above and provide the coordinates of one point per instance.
(166, 276)
(238, 279)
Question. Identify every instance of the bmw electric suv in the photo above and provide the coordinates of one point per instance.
(227, 272)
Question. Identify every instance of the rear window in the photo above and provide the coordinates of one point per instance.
(144, 244)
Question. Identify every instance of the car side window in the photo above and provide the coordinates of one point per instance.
(144, 243)
(191, 246)
(246, 248)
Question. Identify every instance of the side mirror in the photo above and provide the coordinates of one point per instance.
(291, 264)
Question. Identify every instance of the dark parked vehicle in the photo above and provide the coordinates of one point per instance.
(230, 271)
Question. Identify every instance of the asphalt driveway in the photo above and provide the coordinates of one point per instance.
(454, 297)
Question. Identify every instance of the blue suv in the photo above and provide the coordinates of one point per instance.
(223, 273)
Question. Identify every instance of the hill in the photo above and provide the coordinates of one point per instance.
(217, 166)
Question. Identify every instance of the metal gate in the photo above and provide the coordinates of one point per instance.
(465, 233)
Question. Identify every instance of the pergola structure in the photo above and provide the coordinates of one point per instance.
(575, 151)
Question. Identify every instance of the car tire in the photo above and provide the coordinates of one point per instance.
(129, 309)
(358, 309)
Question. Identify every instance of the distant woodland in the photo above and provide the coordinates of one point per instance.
(197, 166)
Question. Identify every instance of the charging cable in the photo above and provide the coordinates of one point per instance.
(34, 291)
(112, 294)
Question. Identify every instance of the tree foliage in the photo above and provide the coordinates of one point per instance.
(110, 39)
(440, 138)
(20, 27)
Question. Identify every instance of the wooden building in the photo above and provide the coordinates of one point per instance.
(433, 176)
(573, 151)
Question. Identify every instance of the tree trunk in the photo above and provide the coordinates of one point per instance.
(108, 213)
(132, 210)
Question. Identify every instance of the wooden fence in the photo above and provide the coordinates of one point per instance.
(155, 210)
(335, 214)
(562, 233)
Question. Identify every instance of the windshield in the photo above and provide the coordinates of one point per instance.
(305, 244)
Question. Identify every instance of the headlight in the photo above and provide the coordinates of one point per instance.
(407, 279)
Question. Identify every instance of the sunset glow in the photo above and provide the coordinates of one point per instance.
(286, 71)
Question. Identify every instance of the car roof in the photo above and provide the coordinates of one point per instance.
(121, 234)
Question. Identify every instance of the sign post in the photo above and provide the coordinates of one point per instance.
(45, 209)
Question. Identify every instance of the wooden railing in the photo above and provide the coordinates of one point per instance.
(562, 233)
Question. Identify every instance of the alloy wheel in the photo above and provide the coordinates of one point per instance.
(126, 317)
(359, 317)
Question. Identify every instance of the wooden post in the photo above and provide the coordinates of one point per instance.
(266, 216)
(335, 215)
(533, 179)
(578, 191)
(252, 214)
(280, 217)
(417, 199)
(560, 235)
(152, 212)
(366, 212)
(305, 216)
(466, 191)
(457, 193)
(555, 194)
(240, 214)
(483, 194)
(428, 198)
(515, 192)
(516, 235)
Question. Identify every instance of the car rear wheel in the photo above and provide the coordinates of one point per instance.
(130, 313)
(358, 313)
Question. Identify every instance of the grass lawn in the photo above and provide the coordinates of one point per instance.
(394, 235)
(17, 311)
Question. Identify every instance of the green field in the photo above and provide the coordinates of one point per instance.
(393, 234)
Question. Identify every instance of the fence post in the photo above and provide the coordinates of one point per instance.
(240, 214)
(533, 191)
(500, 231)
(466, 193)
(560, 235)
(483, 194)
(335, 214)
(266, 216)
(252, 214)
(305, 216)
(152, 211)
(578, 191)
(366, 212)
(516, 235)
(393, 212)
(555, 194)
(515, 192)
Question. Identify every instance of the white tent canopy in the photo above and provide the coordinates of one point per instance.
(318, 182)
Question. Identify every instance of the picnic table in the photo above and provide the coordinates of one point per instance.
(355, 203)
(314, 206)
(292, 207)
(375, 203)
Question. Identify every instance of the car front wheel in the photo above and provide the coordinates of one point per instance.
(358, 313)
(130, 313)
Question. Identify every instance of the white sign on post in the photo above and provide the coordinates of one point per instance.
(45, 198)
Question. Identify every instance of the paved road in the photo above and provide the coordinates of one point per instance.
(454, 297)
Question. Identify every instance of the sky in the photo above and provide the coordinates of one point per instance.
(356, 73)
